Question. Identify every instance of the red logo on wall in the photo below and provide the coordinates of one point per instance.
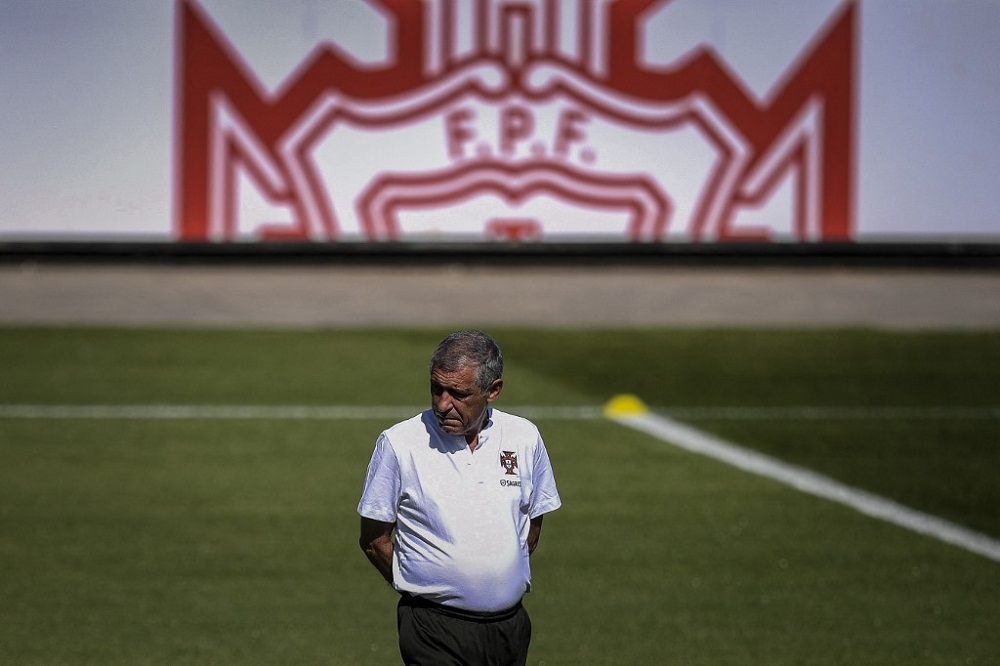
(489, 123)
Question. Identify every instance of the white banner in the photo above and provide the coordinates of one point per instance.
(530, 120)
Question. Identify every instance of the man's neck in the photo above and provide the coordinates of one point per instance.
(472, 438)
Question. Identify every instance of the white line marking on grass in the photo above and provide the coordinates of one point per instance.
(828, 413)
(323, 412)
(661, 427)
(807, 481)
(235, 412)
(273, 412)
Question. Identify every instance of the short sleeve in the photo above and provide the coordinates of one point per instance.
(544, 494)
(380, 495)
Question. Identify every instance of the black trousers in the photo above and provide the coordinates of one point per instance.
(434, 635)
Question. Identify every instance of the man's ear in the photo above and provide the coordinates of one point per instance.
(495, 389)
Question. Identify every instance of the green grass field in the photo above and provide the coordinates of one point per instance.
(234, 541)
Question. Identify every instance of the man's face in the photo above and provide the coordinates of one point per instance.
(458, 403)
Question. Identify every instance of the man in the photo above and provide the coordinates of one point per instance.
(452, 508)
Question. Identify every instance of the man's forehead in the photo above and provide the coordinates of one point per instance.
(462, 377)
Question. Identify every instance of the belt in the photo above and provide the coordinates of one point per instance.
(415, 601)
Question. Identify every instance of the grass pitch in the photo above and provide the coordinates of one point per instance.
(164, 541)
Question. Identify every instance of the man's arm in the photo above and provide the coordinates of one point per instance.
(534, 532)
(376, 542)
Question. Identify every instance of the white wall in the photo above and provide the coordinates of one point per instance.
(87, 101)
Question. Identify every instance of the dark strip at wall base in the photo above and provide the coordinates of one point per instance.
(885, 254)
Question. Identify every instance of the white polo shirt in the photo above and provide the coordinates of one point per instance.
(462, 516)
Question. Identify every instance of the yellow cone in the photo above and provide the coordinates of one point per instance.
(625, 405)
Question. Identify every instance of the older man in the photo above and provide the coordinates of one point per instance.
(452, 508)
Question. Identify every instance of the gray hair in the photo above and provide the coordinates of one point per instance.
(470, 348)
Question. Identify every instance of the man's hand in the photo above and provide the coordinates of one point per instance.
(376, 542)
(534, 533)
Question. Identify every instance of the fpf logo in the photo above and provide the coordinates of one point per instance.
(508, 460)
(516, 119)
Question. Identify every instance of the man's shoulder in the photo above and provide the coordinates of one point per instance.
(513, 423)
(407, 430)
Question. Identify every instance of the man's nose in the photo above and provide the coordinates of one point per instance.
(442, 402)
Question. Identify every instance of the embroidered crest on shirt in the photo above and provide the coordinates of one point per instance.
(508, 460)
